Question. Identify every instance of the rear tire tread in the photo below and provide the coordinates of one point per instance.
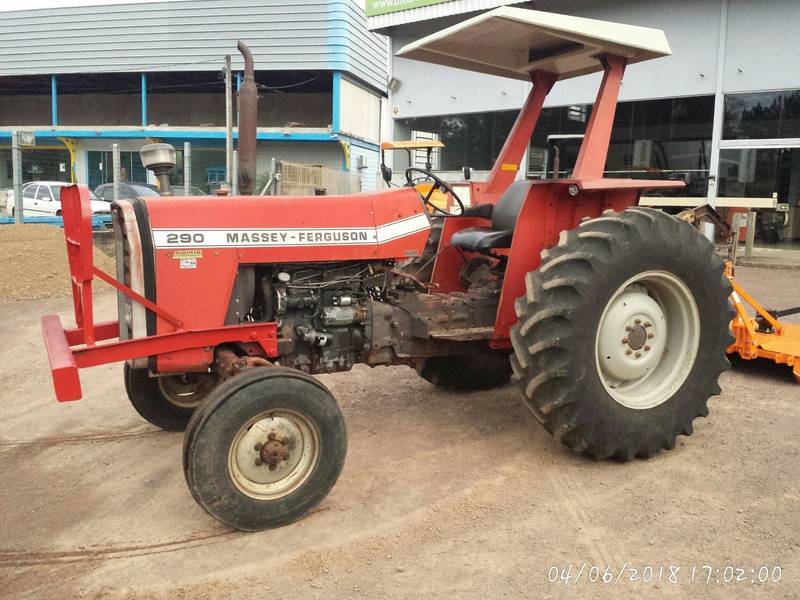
(546, 335)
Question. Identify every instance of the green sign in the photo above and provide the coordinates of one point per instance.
(382, 7)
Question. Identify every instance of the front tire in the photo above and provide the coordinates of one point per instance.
(622, 333)
(168, 401)
(266, 447)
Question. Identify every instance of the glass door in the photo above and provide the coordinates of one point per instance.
(749, 172)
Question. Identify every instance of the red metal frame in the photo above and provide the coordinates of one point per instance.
(508, 161)
(71, 349)
(553, 206)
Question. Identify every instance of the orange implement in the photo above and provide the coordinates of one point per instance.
(762, 336)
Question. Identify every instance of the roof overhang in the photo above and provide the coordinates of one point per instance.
(512, 42)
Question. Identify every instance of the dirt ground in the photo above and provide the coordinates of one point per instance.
(443, 495)
(33, 261)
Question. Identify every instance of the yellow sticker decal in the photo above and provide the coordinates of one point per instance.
(508, 167)
(181, 254)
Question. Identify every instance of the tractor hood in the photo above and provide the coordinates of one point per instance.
(512, 42)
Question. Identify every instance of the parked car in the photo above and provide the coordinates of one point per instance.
(43, 199)
(178, 190)
(129, 189)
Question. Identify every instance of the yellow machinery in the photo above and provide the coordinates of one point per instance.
(439, 198)
(763, 336)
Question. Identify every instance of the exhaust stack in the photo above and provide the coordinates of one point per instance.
(248, 119)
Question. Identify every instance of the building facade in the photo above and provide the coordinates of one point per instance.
(721, 113)
(83, 78)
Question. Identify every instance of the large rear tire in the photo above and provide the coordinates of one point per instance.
(266, 447)
(467, 372)
(167, 401)
(622, 333)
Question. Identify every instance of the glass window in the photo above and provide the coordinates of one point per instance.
(762, 115)
(471, 140)
(755, 173)
(44, 193)
(100, 164)
(652, 139)
(30, 191)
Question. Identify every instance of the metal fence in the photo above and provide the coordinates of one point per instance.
(297, 179)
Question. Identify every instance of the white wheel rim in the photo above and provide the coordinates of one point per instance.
(295, 441)
(647, 339)
(186, 390)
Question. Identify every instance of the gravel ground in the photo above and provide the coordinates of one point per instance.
(443, 495)
(33, 263)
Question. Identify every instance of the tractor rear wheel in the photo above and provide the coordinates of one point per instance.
(266, 447)
(467, 372)
(167, 401)
(622, 333)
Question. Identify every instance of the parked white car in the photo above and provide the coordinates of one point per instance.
(43, 199)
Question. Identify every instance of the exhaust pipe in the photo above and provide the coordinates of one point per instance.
(248, 121)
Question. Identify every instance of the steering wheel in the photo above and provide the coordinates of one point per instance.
(437, 184)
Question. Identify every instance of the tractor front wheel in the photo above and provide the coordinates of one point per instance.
(266, 447)
(622, 333)
(167, 401)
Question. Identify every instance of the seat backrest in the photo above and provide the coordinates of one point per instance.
(506, 211)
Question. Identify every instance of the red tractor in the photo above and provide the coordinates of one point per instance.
(613, 318)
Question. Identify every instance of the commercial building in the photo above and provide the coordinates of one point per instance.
(82, 78)
(722, 113)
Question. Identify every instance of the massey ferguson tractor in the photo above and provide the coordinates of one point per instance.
(612, 318)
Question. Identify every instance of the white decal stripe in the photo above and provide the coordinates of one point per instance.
(407, 226)
(266, 238)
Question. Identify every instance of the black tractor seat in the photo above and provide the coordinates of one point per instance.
(504, 219)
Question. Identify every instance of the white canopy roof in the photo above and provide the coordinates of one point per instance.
(511, 42)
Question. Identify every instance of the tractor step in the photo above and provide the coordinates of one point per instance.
(463, 334)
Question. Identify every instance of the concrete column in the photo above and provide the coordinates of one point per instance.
(187, 168)
(16, 167)
(116, 173)
(719, 113)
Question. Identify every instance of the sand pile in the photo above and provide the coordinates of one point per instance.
(33, 263)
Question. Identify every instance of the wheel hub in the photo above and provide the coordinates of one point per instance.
(629, 344)
(647, 339)
(637, 336)
(273, 454)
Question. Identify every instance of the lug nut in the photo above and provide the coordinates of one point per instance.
(257, 447)
(648, 324)
(638, 354)
(628, 328)
(271, 436)
(272, 466)
(637, 321)
(628, 352)
(259, 462)
(650, 336)
(647, 348)
(624, 340)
